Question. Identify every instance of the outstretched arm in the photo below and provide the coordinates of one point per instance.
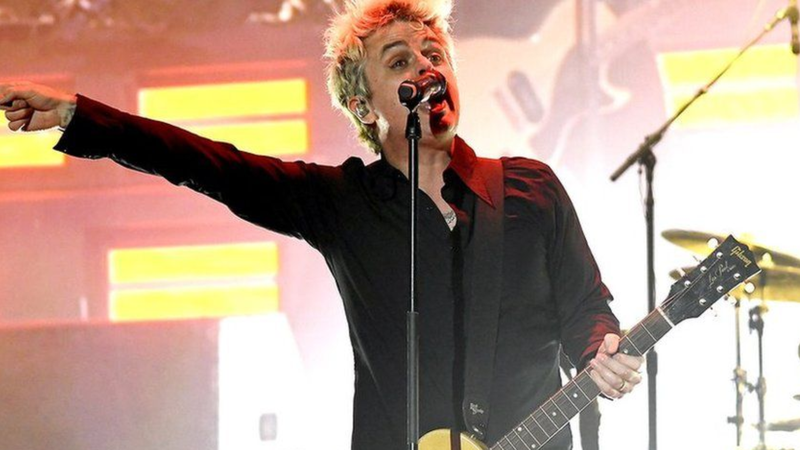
(286, 197)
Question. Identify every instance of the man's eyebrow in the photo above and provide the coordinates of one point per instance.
(433, 41)
(392, 45)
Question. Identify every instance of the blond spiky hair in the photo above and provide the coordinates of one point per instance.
(344, 47)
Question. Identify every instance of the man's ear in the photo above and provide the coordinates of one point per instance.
(360, 107)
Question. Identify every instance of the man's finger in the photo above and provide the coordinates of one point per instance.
(601, 367)
(19, 114)
(18, 124)
(18, 104)
(604, 385)
(611, 343)
(6, 95)
(634, 362)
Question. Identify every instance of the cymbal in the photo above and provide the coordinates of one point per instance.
(702, 243)
(784, 425)
(780, 284)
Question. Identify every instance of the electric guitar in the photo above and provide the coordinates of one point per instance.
(728, 266)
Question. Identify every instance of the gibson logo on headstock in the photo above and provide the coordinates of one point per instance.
(739, 253)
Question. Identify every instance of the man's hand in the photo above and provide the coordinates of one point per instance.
(31, 107)
(615, 374)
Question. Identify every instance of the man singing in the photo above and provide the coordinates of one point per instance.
(550, 294)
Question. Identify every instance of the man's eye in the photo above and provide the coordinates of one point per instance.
(400, 63)
(436, 59)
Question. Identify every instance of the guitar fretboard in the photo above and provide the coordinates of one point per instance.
(556, 412)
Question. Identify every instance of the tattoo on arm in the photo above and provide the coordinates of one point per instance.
(66, 115)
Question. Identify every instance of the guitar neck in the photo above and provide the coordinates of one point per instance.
(539, 427)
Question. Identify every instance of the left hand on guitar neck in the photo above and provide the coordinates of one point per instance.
(614, 373)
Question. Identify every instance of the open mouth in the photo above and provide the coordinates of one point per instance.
(439, 105)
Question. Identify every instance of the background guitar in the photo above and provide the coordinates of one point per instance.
(538, 91)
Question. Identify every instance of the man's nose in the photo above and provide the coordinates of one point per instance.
(423, 64)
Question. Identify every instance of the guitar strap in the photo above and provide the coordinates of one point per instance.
(483, 288)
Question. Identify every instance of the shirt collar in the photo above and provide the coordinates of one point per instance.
(463, 162)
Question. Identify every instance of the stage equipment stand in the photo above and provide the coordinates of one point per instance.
(739, 376)
(646, 159)
(757, 324)
(413, 134)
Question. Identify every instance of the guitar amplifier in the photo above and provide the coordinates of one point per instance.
(198, 384)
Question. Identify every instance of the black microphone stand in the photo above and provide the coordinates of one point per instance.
(645, 157)
(413, 135)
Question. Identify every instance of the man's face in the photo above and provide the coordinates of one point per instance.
(402, 51)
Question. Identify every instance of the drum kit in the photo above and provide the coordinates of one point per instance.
(779, 281)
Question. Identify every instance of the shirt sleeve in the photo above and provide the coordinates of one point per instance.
(582, 298)
(286, 197)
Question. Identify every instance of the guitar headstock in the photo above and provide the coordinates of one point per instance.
(729, 265)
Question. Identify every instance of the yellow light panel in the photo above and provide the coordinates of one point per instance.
(739, 107)
(29, 149)
(285, 137)
(192, 302)
(179, 264)
(216, 101)
(759, 87)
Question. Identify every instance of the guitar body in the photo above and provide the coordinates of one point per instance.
(440, 440)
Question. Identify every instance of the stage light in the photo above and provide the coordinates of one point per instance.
(193, 302)
(761, 87)
(224, 100)
(29, 149)
(264, 117)
(193, 281)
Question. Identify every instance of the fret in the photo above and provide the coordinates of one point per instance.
(575, 395)
(510, 443)
(558, 418)
(545, 422)
(587, 385)
(645, 335)
(625, 346)
(515, 440)
(644, 327)
(536, 431)
(658, 324)
(564, 404)
(522, 433)
(672, 325)
(642, 338)
(535, 444)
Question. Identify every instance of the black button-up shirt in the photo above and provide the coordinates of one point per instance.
(356, 216)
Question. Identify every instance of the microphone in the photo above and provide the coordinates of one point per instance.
(431, 85)
(793, 15)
